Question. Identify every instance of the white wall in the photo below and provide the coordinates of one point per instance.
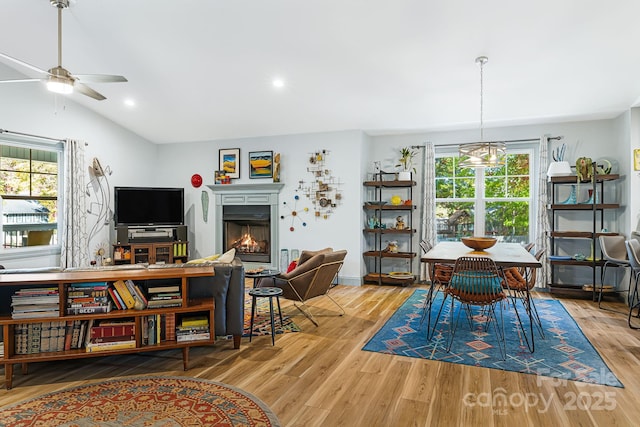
(343, 228)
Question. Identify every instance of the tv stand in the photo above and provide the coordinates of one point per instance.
(171, 252)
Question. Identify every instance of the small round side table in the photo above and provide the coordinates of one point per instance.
(271, 293)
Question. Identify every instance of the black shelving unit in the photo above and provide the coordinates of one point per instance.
(380, 190)
(596, 211)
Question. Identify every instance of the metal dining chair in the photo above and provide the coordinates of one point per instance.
(633, 252)
(614, 254)
(440, 276)
(520, 281)
(476, 281)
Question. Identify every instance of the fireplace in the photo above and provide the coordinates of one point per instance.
(248, 230)
(246, 218)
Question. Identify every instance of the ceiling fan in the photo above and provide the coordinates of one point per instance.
(59, 79)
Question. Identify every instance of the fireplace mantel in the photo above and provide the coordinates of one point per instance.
(248, 194)
(247, 188)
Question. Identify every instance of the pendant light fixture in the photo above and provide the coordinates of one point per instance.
(482, 154)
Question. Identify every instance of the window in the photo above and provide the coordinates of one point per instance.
(29, 187)
(485, 202)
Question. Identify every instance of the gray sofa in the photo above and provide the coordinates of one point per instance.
(226, 287)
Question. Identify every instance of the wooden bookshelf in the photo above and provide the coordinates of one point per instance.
(9, 283)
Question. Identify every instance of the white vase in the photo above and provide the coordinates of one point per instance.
(559, 169)
(404, 176)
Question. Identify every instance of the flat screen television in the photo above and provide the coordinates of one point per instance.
(148, 206)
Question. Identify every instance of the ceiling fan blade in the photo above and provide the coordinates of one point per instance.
(24, 64)
(21, 80)
(100, 78)
(86, 90)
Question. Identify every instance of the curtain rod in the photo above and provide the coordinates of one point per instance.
(30, 135)
(549, 138)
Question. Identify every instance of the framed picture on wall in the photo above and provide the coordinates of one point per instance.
(261, 164)
(229, 160)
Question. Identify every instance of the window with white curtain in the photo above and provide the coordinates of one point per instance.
(494, 202)
(30, 182)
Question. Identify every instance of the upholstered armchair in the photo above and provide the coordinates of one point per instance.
(312, 277)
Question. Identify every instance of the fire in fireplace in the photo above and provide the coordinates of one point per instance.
(247, 229)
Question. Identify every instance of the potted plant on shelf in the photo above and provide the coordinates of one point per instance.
(406, 163)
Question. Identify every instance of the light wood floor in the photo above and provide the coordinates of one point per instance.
(320, 376)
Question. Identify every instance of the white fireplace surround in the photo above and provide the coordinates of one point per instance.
(248, 194)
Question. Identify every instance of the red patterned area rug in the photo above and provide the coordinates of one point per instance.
(262, 321)
(142, 401)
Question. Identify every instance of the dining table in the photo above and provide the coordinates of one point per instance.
(504, 255)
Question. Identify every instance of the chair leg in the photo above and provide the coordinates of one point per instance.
(306, 312)
(636, 304)
(336, 303)
(499, 328)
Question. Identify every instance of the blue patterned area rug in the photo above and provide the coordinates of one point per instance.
(564, 352)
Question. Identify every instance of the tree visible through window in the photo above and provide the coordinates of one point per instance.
(484, 202)
(29, 191)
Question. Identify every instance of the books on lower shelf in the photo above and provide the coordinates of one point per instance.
(39, 337)
(193, 328)
(31, 303)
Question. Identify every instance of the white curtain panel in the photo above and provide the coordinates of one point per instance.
(74, 241)
(429, 231)
(542, 220)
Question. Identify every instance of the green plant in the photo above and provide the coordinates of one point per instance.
(406, 159)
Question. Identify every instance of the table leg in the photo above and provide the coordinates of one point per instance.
(279, 311)
(253, 314)
(273, 327)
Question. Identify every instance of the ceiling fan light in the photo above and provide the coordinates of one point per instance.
(58, 85)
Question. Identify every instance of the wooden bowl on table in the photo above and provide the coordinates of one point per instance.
(479, 243)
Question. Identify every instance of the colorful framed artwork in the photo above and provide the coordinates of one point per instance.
(229, 159)
(261, 164)
(636, 159)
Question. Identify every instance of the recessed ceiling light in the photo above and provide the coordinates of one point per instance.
(129, 102)
(278, 83)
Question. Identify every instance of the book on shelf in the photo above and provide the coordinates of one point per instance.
(194, 321)
(135, 291)
(113, 339)
(163, 289)
(110, 346)
(35, 314)
(117, 300)
(170, 326)
(103, 308)
(193, 337)
(113, 329)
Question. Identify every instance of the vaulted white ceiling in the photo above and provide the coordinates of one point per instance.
(203, 69)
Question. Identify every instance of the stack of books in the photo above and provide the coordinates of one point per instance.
(164, 296)
(41, 337)
(30, 303)
(157, 328)
(88, 298)
(193, 328)
(109, 335)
